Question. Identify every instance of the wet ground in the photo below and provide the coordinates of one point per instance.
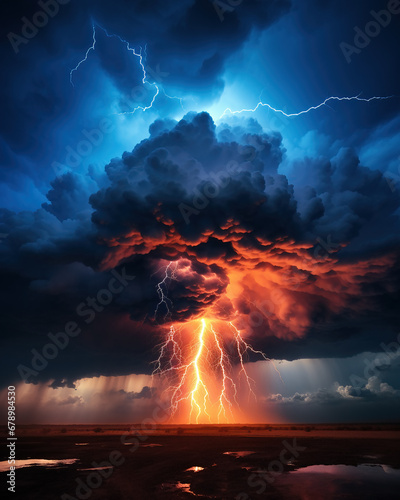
(179, 466)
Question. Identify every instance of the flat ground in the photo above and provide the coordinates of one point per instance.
(152, 472)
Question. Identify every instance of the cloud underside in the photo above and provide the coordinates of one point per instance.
(292, 264)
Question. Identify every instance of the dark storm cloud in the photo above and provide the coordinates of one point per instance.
(341, 202)
(253, 231)
(173, 167)
(67, 196)
(355, 194)
(184, 42)
(188, 37)
(310, 66)
(306, 263)
(146, 393)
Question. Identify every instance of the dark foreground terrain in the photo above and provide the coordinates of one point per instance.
(230, 463)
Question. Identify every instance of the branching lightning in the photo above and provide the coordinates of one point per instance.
(312, 108)
(140, 55)
(225, 367)
(193, 361)
(195, 403)
(162, 289)
(158, 90)
(244, 347)
(199, 374)
(176, 353)
(191, 370)
(180, 99)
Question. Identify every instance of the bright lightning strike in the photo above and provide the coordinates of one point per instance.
(199, 373)
(188, 374)
(140, 56)
(199, 384)
(224, 365)
(162, 289)
(312, 108)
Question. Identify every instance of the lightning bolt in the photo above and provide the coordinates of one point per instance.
(144, 79)
(195, 370)
(140, 57)
(224, 364)
(176, 356)
(189, 373)
(162, 289)
(180, 99)
(312, 108)
(242, 348)
(92, 47)
(199, 384)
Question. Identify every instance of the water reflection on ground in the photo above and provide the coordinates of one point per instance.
(195, 468)
(178, 486)
(239, 454)
(364, 481)
(36, 462)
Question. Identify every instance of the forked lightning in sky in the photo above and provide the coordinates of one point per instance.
(194, 361)
(139, 55)
(305, 111)
(200, 374)
(162, 289)
(227, 111)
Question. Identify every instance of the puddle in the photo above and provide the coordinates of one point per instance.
(367, 481)
(195, 468)
(173, 487)
(348, 470)
(81, 444)
(181, 488)
(36, 462)
(239, 454)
